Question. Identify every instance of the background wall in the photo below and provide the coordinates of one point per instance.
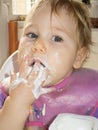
(3, 32)
(92, 61)
(5, 16)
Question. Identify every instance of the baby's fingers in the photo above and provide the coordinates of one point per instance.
(24, 70)
(13, 77)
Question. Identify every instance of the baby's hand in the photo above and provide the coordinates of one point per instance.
(20, 91)
(25, 88)
(34, 79)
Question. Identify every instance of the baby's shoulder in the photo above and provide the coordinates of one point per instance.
(85, 75)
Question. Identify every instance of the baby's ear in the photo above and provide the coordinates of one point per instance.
(80, 57)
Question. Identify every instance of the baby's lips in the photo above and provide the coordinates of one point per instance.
(39, 67)
(33, 68)
(36, 61)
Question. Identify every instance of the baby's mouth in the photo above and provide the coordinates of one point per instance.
(36, 65)
(37, 62)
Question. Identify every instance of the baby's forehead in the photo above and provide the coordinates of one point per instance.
(54, 17)
(60, 18)
(47, 9)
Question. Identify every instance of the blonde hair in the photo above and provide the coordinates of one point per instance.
(77, 10)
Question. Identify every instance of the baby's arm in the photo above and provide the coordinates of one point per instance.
(15, 111)
(16, 108)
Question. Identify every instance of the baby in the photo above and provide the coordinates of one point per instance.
(54, 45)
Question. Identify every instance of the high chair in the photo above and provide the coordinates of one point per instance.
(10, 65)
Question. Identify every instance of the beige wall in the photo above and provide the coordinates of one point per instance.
(20, 7)
(3, 32)
(93, 59)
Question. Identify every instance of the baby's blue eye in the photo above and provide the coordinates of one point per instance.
(32, 35)
(57, 39)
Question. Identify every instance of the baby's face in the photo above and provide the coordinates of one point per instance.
(49, 43)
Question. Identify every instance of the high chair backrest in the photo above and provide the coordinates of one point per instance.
(10, 65)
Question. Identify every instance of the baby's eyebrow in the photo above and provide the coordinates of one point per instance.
(57, 28)
(30, 25)
(61, 30)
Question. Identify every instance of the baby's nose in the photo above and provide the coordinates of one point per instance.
(39, 46)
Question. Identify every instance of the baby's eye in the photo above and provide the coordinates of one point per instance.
(32, 35)
(57, 39)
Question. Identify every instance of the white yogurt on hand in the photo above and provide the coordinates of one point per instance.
(37, 89)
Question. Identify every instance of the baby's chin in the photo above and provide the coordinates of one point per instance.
(50, 82)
